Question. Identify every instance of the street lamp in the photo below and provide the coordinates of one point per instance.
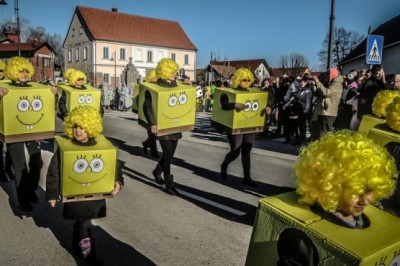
(331, 32)
(16, 8)
(114, 58)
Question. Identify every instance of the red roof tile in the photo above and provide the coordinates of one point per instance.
(31, 46)
(126, 28)
(251, 64)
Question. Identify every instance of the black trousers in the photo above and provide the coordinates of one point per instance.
(240, 144)
(5, 163)
(151, 142)
(27, 181)
(168, 148)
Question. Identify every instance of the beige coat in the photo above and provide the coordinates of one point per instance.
(330, 97)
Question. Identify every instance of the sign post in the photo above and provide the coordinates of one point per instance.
(374, 50)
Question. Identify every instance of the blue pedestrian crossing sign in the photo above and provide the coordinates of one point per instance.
(374, 49)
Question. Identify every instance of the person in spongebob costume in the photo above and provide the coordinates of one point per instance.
(6, 172)
(19, 70)
(340, 174)
(77, 80)
(166, 73)
(239, 143)
(82, 126)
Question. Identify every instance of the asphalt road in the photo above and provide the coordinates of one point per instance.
(210, 223)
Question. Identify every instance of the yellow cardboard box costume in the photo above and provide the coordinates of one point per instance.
(251, 119)
(87, 172)
(27, 111)
(337, 177)
(174, 108)
(76, 93)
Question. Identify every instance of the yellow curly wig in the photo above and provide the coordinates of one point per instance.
(382, 100)
(240, 74)
(85, 117)
(393, 114)
(68, 72)
(166, 67)
(343, 165)
(17, 64)
(151, 76)
(75, 75)
(2, 65)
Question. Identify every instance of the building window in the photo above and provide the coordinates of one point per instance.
(85, 53)
(45, 62)
(139, 56)
(186, 59)
(106, 78)
(150, 56)
(76, 54)
(173, 57)
(73, 32)
(122, 54)
(106, 53)
(81, 30)
(69, 56)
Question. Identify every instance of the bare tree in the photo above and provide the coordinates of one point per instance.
(10, 26)
(294, 63)
(36, 34)
(343, 43)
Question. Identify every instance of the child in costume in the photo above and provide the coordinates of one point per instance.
(19, 70)
(82, 126)
(239, 143)
(340, 174)
(77, 80)
(166, 72)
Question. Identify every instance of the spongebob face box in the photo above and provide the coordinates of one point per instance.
(379, 244)
(89, 96)
(87, 173)
(174, 108)
(27, 113)
(251, 119)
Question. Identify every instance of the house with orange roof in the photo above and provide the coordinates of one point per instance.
(103, 43)
(41, 54)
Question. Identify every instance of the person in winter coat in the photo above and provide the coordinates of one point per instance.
(82, 126)
(328, 100)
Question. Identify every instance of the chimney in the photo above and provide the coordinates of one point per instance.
(114, 9)
(12, 36)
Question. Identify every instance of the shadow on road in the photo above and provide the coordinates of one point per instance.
(110, 250)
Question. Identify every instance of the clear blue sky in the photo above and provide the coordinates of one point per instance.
(231, 29)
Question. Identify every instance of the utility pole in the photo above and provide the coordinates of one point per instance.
(331, 34)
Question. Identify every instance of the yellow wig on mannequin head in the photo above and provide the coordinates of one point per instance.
(341, 166)
(165, 68)
(85, 117)
(151, 76)
(382, 100)
(393, 114)
(75, 75)
(68, 72)
(16, 65)
(240, 74)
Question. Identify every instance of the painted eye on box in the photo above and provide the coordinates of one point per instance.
(80, 166)
(89, 99)
(97, 165)
(247, 107)
(23, 105)
(172, 101)
(182, 98)
(255, 106)
(37, 105)
(81, 99)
